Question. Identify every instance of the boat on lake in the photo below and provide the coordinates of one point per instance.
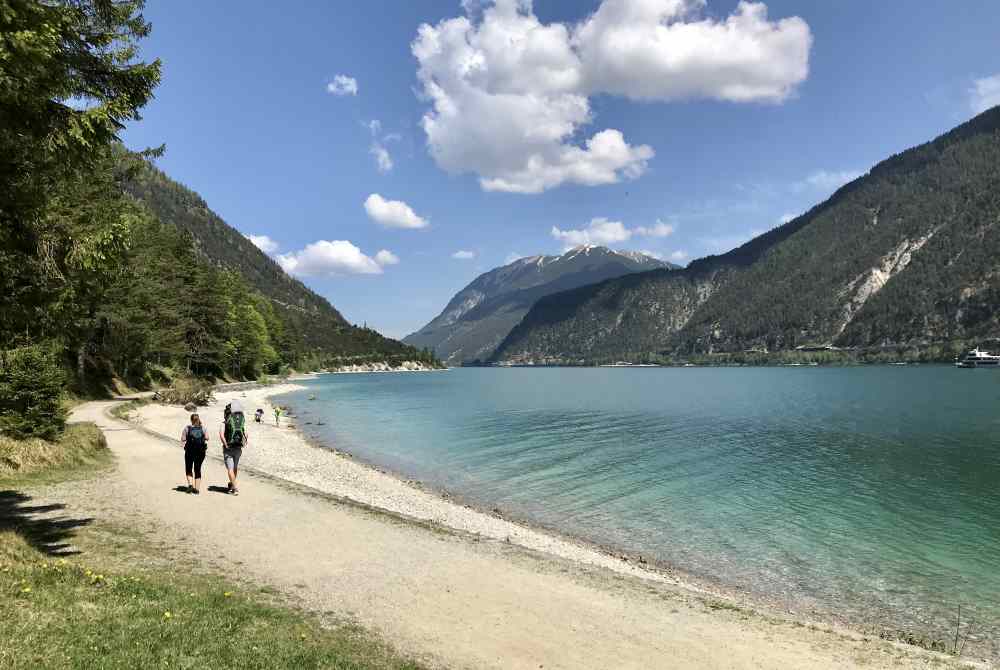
(977, 358)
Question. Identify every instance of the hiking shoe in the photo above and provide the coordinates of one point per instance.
(191, 489)
(196, 491)
(235, 491)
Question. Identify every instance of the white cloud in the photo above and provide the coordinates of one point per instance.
(786, 217)
(343, 85)
(328, 258)
(985, 93)
(599, 231)
(382, 158)
(509, 95)
(392, 213)
(664, 50)
(386, 257)
(511, 257)
(679, 256)
(826, 180)
(464, 255)
(658, 229)
(264, 243)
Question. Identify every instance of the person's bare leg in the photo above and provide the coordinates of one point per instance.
(232, 478)
(190, 484)
(197, 484)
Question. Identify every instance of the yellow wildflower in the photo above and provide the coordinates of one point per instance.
(26, 589)
(167, 615)
(227, 594)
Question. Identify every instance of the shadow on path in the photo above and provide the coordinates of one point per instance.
(40, 525)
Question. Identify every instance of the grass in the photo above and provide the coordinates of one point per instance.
(58, 612)
(77, 594)
(82, 449)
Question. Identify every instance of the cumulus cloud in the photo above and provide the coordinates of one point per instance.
(264, 243)
(386, 257)
(598, 231)
(985, 93)
(330, 258)
(392, 213)
(464, 255)
(658, 229)
(664, 50)
(509, 95)
(343, 85)
(602, 231)
(679, 256)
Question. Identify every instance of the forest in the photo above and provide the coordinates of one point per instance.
(108, 269)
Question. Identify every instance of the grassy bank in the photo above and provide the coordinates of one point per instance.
(59, 612)
(79, 593)
(81, 450)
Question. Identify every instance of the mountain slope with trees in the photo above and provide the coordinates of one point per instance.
(477, 319)
(313, 327)
(907, 256)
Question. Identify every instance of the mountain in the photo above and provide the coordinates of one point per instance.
(907, 255)
(312, 321)
(477, 319)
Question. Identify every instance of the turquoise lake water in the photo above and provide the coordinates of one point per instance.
(868, 493)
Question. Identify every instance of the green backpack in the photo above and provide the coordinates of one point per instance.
(235, 430)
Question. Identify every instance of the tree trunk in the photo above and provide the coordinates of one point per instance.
(81, 355)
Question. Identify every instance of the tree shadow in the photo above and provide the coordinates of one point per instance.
(37, 524)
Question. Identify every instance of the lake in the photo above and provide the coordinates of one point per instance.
(865, 493)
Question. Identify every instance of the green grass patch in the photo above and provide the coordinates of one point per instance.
(73, 613)
(80, 450)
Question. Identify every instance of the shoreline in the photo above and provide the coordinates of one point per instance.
(293, 456)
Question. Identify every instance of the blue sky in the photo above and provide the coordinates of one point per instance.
(672, 126)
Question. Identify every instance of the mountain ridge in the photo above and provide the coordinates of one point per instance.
(477, 318)
(860, 269)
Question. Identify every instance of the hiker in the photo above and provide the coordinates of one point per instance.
(277, 414)
(258, 415)
(195, 441)
(234, 437)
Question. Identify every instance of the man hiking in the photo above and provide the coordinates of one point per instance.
(234, 437)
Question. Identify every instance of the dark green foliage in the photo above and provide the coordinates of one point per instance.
(31, 385)
(906, 258)
(304, 328)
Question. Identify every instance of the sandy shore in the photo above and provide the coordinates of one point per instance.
(455, 600)
(287, 454)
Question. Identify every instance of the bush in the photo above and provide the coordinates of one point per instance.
(31, 387)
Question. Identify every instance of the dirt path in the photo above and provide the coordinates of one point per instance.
(444, 597)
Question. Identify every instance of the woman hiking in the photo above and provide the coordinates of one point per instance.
(195, 441)
(234, 437)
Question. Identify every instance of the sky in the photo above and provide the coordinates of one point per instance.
(387, 152)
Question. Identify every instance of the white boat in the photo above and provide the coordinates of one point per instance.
(977, 358)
